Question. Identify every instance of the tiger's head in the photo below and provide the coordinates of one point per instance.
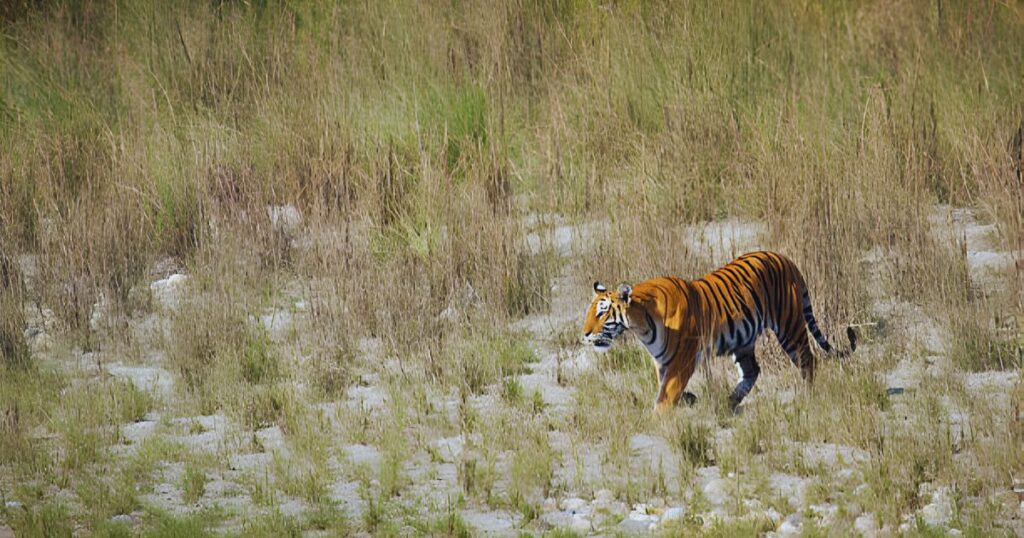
(606, 316)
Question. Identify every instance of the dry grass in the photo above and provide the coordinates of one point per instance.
(395, 181)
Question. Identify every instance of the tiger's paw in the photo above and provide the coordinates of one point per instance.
(734, 405)
(688, 398)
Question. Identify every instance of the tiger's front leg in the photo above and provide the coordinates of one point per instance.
(673, 380)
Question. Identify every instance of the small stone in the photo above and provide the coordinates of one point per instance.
(285, 218)
(716, 491)
(580, 523)
(636, 522)
(557, 519)
(604, 496)
(673, 514)
(939, 512)
(791, 525)
(450, 314)
(12, 505)
(573, 504)
(549, 505)
(449, 448)
(168, 291)
(122, 518)
(865, 524)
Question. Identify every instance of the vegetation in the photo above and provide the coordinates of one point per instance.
(387, 214)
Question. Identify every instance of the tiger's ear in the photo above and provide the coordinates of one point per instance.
(599, 287)
(626, 292)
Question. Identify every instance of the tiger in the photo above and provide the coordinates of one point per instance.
(722, 313)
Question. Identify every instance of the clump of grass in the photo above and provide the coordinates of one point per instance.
(260, 488)
(193, 483)
(327, 517)
(331, 371)
(160, 524)
(528, 283)
(50, 518)
(532, 468)
(218, 353)
(485, 360)
(13, 348)
(978, 344)
(694, 441)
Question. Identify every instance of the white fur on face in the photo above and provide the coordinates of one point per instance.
(602, 306)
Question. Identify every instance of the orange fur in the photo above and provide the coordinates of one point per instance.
(719, 313)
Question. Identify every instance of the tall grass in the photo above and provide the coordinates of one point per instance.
(421, 142)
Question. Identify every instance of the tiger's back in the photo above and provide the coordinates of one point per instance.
(723, 312)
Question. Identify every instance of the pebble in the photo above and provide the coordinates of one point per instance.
(574, 504)
(791, 525)
(673, 514)
(638, 523)
(865, 524)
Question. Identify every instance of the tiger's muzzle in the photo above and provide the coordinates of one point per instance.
(603, 340)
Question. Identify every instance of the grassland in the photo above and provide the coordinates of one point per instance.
(305, 269)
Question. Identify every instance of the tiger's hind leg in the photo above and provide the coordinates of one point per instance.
(803, 358)
(793, 337)
(746, 363)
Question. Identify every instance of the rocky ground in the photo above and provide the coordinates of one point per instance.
(593, 488)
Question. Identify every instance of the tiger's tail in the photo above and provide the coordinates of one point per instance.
(812, 325)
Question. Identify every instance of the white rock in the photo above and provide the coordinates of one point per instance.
(866, 525)
(791, 525)
(145, 377)
(604, 496)
(826, 512)
(793, 488)
(489, 523)
(574, 504)
(277, 324)
(449, 448)
(637, 522)
(557, 519)
(831, 454)
(673, 514)
(137, 431)
(580, 523)
(167, 292)
(450, 314)
(122, 518)
(363, 455)
(100, 313)
(285, 218)
(939, 512)
(367, 397)
(716, 491)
